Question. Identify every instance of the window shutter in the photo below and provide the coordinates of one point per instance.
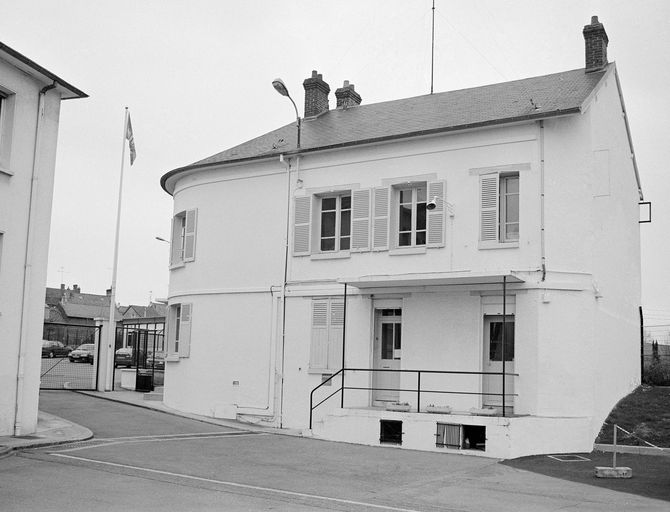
(302, 216)
(189, 236)
(318, 353)
(380, 235)
(335, 335)
(173, 245)
(185, 331)
(488, 208)
(436, 217)
(360, 223)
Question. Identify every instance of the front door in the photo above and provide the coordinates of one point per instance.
(493, 360)
(387, 349)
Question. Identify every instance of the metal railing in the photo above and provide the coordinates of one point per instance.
(416, 390)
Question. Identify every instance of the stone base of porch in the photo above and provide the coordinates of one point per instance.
(506, 438)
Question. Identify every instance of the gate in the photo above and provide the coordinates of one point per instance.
(70, 356)
(141, 348)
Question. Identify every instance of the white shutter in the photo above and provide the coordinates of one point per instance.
(318, 353)
(380, 226)
(185, 331)
(174, 248)
(360, 220)
(335, 334)
(189, 236)
(488, 207)
(435, 218)
(302, 216)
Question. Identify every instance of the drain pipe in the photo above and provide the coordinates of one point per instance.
(28, 264)
(543, 253)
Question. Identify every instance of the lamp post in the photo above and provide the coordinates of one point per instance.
(281, 88)
(162, 239)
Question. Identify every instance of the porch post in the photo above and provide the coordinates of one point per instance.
(344, 339)
(504, 328)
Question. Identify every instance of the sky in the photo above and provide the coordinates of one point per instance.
(196, 76)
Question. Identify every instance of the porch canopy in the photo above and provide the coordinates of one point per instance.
(432, 279)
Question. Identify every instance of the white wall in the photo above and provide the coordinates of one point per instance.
(14, 205)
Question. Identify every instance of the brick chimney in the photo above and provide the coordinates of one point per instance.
(346, 96)
(316, 95)
(595, 39)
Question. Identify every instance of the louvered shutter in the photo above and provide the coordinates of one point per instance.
(189, 236)
(360, 222)
(380, 233)
(436, 217)
(488, 208)
(302, 216)
(335, 335)
(318, 353)
(185, 331)
(174, 246)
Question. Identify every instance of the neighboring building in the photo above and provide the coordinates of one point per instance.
(465, 234)
(30, 98)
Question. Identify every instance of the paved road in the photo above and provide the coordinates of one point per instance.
(147, 460)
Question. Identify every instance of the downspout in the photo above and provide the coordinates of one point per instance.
(27, 264)
(543, 253)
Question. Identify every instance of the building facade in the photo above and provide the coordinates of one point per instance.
(439, 273)
(30, 98)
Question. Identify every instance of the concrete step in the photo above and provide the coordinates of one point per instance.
(154, 396)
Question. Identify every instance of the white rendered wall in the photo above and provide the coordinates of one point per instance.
(14, 201)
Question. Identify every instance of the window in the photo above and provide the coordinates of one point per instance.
(179, 330)
(327, 330)
(6, 120)
(499, 208)
(183, 237)
(411, 216)
(335, 223)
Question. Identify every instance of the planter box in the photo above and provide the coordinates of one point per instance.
(398, 407)
(438, 409)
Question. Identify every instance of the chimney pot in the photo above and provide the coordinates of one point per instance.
(316, 95)
(347, 96)
(595, 45)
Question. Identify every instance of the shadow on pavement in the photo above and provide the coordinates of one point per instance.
(651, 474)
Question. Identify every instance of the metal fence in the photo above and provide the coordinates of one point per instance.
(70, 355)
(145, 349)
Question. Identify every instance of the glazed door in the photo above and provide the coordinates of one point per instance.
(387, 355)
(493, 360)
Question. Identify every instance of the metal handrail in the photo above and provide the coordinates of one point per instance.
(418, 390)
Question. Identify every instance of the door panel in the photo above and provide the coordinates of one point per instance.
(493, 359)
(387, 355)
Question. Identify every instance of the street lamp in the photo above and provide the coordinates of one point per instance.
(281, 88)
(432, 204)
(162, 239)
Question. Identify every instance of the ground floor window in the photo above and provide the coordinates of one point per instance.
(179, 329)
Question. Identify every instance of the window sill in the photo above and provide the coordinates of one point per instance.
(172, 358)
(401, 251)
(321, 371)
(330, 255)
(497, 245)
(177, 265)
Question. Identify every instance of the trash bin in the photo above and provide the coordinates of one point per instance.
(144, 381)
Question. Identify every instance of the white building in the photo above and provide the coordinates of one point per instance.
(30, 98)
(534, 193)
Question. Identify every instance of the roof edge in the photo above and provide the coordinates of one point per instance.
(420, 133)
(13, 54)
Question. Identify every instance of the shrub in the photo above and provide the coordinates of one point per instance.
(657, 374)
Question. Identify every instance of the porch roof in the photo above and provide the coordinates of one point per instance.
(431, 279)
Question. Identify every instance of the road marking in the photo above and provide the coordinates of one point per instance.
(238, 485)
(100, 443)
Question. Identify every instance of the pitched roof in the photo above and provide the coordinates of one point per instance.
(518, 100)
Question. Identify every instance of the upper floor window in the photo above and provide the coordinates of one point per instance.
(499, 208)
(6, 121)
(183, 237)
(336, 223)
(412, 216)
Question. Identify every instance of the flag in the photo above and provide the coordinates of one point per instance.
(131, 140)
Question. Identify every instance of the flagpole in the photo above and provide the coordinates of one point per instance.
(112, 298)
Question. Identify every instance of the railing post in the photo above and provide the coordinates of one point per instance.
(418, 391)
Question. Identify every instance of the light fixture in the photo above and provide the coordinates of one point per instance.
(281, 88)
(162, 239)
(432, 204)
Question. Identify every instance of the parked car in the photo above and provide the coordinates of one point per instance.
(83, 353)
(123, 357)
(54, 349)
(157, 360)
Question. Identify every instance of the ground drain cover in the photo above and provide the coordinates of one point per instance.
(568, 458)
